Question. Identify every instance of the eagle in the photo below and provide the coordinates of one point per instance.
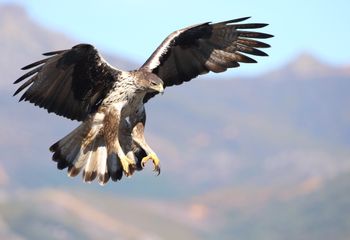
(79, 84)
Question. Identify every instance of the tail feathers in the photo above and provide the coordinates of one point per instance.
(96, 164)
(101, 158)
(90, 168)
(92, 159)
(67, 150)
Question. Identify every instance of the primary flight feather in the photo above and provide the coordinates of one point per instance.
(79, 84)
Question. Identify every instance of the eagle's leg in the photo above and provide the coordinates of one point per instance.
(126, 142)
(139, 138)
(112, 125)
(138, 121)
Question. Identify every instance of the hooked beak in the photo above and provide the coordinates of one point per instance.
(159, 88)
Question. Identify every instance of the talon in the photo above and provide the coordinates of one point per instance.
(155, 160)
(128, 166)
(132, 168)
(157, 169)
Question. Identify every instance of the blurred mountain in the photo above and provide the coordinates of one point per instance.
(80, 215)
(317, 212)
(237, 155)
(306, 66)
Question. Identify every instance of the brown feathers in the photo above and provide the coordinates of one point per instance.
(197, 49)
(69, 83)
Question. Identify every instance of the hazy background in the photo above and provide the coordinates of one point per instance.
(265, 157)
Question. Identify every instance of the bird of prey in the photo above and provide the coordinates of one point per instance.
(80, 85)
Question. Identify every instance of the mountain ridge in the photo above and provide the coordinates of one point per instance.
(305, 66)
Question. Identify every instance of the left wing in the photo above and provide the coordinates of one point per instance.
(198, 49)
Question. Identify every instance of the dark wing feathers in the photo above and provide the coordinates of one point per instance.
(198, 49)
(53, 53)
(73, 82)
(70, 82)
(235, 20)
(34, 64)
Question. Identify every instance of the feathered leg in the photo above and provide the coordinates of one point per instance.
(111, 128)
(137, 122)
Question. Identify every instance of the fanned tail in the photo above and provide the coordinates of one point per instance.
(84, 149)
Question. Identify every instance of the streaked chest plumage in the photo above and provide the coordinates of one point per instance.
(125, 96)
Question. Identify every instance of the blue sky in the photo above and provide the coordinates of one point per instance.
(135, 28)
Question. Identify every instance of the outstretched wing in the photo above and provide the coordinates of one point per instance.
(198, 49)
(70, 83)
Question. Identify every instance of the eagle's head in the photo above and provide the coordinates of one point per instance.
(149, 82)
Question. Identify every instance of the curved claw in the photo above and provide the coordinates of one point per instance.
(155, 160)
(157, 169)
(128, 165)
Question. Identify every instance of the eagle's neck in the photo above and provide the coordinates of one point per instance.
(126, 94)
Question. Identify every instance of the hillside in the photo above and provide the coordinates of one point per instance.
(316, 212)
(25, 215)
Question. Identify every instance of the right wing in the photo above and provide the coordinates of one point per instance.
(71, 83)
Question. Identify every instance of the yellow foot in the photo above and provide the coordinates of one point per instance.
(155, 160)
(128, 165)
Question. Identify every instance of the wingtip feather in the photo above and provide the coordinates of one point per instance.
(34, 64)
(249, 25)
(23, 97)
(248, 34)
(235, 20)
(17, 91)
(52, 53)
